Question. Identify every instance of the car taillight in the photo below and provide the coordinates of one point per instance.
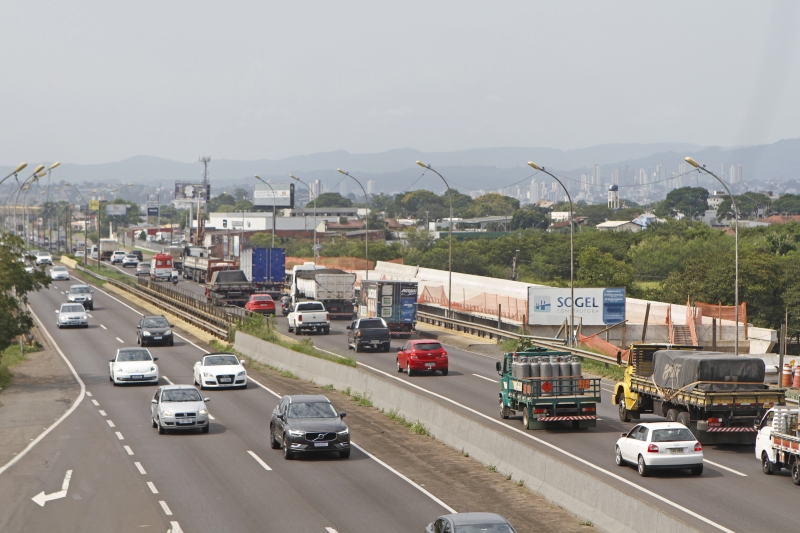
(327, 316)
(358, 334)
(444, 354)
(715, 422)
(698, 447)
(299, 318)
(652, 448)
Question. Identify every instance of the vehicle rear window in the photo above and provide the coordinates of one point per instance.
(310, 307)
(158, 322)
(428, 346)
(672, 435)
(372, 323)
(79, 290)
(480, 528)
(262, 298)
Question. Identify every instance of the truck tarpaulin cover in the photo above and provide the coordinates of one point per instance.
(676, 369)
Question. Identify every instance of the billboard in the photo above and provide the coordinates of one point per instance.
(94, 205)
(282, 196)
(549, 306)
(116, 209)
(152, 211)
(186, 190)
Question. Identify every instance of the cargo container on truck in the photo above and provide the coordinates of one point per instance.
(333, 287)
(264, 267)
(393, 301)
(106, 248)
(718, 396)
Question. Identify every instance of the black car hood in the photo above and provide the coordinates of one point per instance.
(316, 424)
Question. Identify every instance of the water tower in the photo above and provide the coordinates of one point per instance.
(613, 197)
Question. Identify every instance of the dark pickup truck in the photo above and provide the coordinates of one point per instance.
(368, 332)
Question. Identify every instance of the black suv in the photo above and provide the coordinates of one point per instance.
(154, 330)
(307, 424)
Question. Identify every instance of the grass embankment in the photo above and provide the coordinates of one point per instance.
(263, 327)
(11, 357)
(110, 273)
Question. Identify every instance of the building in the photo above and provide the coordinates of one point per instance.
(559, 216)
(716, 198)
(619, 225)
(349, 212)
(371, 187)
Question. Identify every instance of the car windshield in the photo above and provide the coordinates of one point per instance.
(72, 309)
(80, 290)
(312, 410)
(216, 360)
(478, 528)
(672, 435)
(372, 323)
(59, 269)
(310, 307)
(428, 346)
(181, 395)
(133, 355)
(158, 322)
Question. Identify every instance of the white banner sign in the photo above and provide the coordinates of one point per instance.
(549, 306)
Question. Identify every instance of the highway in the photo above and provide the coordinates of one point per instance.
(732, 494)
(124, 476)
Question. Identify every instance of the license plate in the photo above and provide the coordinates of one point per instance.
(157, 338)
(430, 364)
(676, 450)
(320, 444)
(137, 376)
(225, 380)
(184, 422)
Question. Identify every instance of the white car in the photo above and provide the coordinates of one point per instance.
(133, 365)
(118, 256)
(80, 253)
(44, 258)
(72, 315)
(660, 445)
(29, 269)
(130, 260)
(220, 370)
(59, 273)
(179, 407)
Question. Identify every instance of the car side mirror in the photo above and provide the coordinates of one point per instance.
(111, 360)
(154, 401)
(623, 435)
(57, 311)
(206, 400)
(280, 415)
(171, 325)
(349, 327)
(138, 327)
(342, 414)
(242, 361)
(498, 366)
(155, 358)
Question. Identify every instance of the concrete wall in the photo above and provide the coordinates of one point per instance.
(579, 492)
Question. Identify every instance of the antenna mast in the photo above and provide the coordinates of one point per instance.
(201, 222)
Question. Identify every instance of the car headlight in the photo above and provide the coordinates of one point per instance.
(207, 375)
(146, 333)
(83, 317)
(62, 318)
(168, 332)
(203, 412)
(296, 433)
(153, 368)
(166, 412)
(119, 370)
(240, 373)
(345, 431)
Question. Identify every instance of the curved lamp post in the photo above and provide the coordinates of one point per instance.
(274, 210)
(571, 254)
(450, 237)
(366, 239)
(36, 172)
(310, 194)
(703, 168)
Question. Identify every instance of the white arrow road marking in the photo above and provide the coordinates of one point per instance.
(42, 498)
(176, 528)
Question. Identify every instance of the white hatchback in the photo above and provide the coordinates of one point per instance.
(133, 365)
(660, 445)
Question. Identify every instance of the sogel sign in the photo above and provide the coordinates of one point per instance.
(594, 307)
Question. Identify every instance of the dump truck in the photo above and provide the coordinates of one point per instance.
(718, 396)
(778, 442)
(229, 287)
(548, 389)
(393, 301)
(333, 287)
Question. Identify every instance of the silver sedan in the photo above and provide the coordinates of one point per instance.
(72, 315)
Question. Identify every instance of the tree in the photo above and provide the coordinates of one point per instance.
(330, 199)
(263, 240)
(15, 284)
(686, 200)
(598, 269)
(491, 204)
(241, 194)
(788, 203)
(411, 202)
(748, 203)
(529, 217)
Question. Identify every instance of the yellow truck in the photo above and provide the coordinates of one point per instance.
(718, 396)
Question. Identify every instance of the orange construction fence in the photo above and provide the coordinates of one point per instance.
(599, 345)
(484, 303)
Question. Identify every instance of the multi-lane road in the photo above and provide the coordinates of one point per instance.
(126, 477)
(731, 495)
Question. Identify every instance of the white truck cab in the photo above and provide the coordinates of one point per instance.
(777, 441)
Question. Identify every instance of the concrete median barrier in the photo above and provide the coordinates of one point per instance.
(577, 491)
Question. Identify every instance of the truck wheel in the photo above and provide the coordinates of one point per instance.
(672, 415)
(767, 466)
(624, 415)
(525, 419)
(326, 330)
(796, 473)
(297, 331)
(683, 418)
(504, 411)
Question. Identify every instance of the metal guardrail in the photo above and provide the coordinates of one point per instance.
(482, 330)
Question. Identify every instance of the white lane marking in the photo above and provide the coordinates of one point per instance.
(259, 461)
(401, 476)
(88, 393)
(211, 417)
(62, 292)
(96, 403)
(265, 388)
(165, 507)
(331, 530)
(176, 528)
(725, 468)
(152, 487)
(484, 377)
(128, 449)
(607, 390)
(90, 316)
(140, 468)
(111, 424)
(549, 445)
(102, 326)
(120, 340)
(43, 498)
(74, 406)
(119, 435)
(167, 380)
(103, 413)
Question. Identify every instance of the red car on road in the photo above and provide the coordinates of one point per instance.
(422, 354)
(260, 303)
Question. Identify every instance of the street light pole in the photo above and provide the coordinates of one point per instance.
(703, 168)
(310, 194)
(274, 209)
(450, 237)
(571, 254)
(35, 175)
(366, 239)
(14, 173)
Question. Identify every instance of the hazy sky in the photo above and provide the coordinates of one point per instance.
(99, 81)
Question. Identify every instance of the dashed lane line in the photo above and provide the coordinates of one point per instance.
(152, 487)
(102, 413)
(259, 460)
(119, 435)
(167, 380)
(725, 468)
(484, 377)
(128, 449)
(111, 424)
(120, 340)
(165, 507)
(102, 326)
(140, 468)
(96, 403)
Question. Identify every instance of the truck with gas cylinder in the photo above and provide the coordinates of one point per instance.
(778, 441)
(309, 316)
(547, 388)
(265, 268)
(718, 396)
(393, 301)
(229, 287)
(333, 287)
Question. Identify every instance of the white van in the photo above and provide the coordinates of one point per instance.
(93, 253)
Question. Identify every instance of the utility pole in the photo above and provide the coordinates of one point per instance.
(200, 220)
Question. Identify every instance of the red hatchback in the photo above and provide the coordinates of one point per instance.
(261, 303)
(422, 354)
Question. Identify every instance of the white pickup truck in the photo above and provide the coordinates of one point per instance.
(309, 316)
(777, 442)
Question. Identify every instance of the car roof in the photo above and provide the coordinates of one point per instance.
(70, 303)
(662, 425)
(220, 353)
(307, 398)
(424, 341)
(132, 349)
(59, 266)
(79, 285)
(176, 387)
(475, 518)
(153, 316)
